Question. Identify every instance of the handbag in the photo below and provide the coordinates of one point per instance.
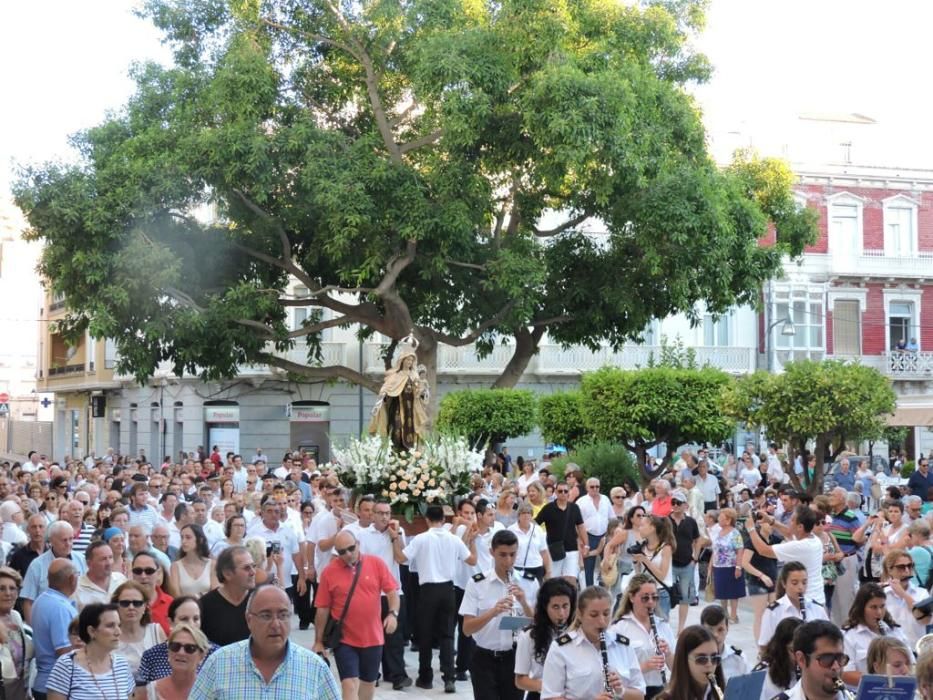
(673, 592)
(557, 549)
(333, 628)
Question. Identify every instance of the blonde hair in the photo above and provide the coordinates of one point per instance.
(891, 557)
(878, 653)
(923, 671)
(636, 582)
(731, 514)
(195, 633)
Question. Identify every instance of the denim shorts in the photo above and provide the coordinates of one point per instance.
(683, 579)
(358, 662)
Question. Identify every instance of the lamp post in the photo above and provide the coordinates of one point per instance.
(788, 330)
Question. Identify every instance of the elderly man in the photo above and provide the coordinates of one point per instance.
(100, 581)
(708, 486)
(267, 665)
(36, 544)
(73, 514)
(61, 537)
(844, 526)
(272, 530)
(53, 614)
(12, 515)
(160, 540)
(845, 478)
(360, 649)
(661, 505)
(223, 610)
(138, 540)
(596, 510)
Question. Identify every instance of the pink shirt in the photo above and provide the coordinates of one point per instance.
(362, 626)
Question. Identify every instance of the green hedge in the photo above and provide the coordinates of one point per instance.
(488, 415)
(560, 419)
(611, 463)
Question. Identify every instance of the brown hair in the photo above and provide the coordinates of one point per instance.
(138, 587)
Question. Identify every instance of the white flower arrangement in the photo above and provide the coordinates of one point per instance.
(436, 473)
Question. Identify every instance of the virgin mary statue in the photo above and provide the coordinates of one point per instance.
(401, 409)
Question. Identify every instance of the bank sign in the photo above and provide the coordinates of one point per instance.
(310, 414)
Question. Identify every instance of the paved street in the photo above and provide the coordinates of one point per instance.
(739, 636)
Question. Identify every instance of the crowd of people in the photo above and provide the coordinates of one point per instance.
(123, 579)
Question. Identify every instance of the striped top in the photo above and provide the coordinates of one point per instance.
(76, 683)
(842, 526)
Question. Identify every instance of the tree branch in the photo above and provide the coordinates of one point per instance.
(478, 331)
(330, 372)
(395, 267)
(570, 223)
(183, 298)
(471, 266)
(298, 332)
(552, 321)
(307, 35)
(425, 140)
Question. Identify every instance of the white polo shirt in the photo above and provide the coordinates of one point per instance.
(436, 554)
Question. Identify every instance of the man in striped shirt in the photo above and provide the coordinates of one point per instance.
(843, 527)
(73, 514)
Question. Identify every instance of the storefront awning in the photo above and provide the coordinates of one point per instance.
(912, 417)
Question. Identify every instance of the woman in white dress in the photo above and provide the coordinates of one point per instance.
(193, 572)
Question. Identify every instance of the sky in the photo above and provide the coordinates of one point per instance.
(66, 62)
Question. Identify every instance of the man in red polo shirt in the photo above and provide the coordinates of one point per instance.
(360, 650)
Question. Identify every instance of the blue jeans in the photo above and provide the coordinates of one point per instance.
(664, 602)
(589, 563)
(683, 579)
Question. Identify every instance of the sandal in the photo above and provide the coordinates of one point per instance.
(734, 620)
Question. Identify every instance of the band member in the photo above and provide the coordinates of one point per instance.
(733, 663)
(555, 607)
(488, 598)
(888, 656)
(790, 590)
(819, 653)
(589, 663)
(779, 661)
(650, 635)
(868, 618)
(697, 674)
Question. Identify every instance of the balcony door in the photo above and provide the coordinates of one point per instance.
(847, 330)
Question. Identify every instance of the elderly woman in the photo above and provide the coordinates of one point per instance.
(15, 647)
(116, 538)
(13, 519)
(187, 647)
(726, 563)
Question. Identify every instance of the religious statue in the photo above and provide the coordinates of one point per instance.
(401, 409)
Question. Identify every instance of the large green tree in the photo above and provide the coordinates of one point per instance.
(399, 160)
(829, 403)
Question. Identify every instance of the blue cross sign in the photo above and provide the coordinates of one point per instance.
(45, 402)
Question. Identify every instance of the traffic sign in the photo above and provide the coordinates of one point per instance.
(4, 409)
(4, 397)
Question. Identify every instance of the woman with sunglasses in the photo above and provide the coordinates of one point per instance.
(868, 619)
(697, 657)
(903, 593)
(137, 631)
(777, 658)
(187, 648)
(49, 507)
(154, 664)
(554, 609)
(790, 590)
(651, 640)
(574, 670)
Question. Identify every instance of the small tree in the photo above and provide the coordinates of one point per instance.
(488, 415)
(560, 418)
(828, 402)
(611, 463)
(647, 407)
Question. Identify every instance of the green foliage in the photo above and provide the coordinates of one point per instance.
(674, 354)
(829, 402)
(488, 415)
(610, 462)
(895, 436)
(643, 408)
(560, 418)
(908, 468)
(396, 159)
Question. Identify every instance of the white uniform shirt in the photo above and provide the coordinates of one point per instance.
(437, 555)
(809, 552)
(595, 517)
(530, 545)
(323, 527)
(482, 593)
(378, 544)
(796, 693)
(783, 608)
(857, 641)
(643, 643)
(573, 668)
(288, 542)
(525, 662)
(903, 615)
(733, 663)
(483, 555)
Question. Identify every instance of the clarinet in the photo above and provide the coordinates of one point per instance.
(657, 646)
(841, 688)
(605, 654)
(717, 691)
(803, 608)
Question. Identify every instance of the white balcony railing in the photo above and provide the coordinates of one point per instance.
(553, 359)
(908, 365)
(870, 262)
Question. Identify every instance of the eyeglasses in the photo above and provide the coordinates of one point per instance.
(346, 550)
(178, 646)
(563, 490)
(141, 571)
(618, 496)
(128, 603)
(648, 597)
(707, 659)
(827, 660)
(267, 617)
(675, 502)
(638, 515)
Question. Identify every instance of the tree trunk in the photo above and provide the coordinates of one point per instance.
(526, 345)
(427, 356)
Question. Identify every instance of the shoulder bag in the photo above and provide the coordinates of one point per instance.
(333, 628)
(558, 549)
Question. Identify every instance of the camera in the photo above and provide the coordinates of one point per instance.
(637, 548)
(273, 548)
(923, 609)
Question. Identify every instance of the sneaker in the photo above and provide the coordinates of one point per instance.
(450, 687)
(402, 684)
(423, 684)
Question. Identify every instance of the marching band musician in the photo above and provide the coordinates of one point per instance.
(488, 597)
(653, 645)
(868, 619)
(903, 593)
(554, 609)
(819, 653)
(790, 590)
(715, 619)
(697, 674)
(779, 661)
(577, 669)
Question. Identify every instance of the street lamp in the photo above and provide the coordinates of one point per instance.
(788, 330)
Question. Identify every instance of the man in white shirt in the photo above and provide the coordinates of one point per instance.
(99, 582)
(775, 470)
(805, 548)
(709, 487)
(272, 530)
(596, 510)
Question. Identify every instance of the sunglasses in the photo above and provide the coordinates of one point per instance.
(128, 603)
(707, 659)
(147, 571)
(563, 490)
(346, 550)
(648, 597)
(178, 646)
(827, 660)
(675, 502)
(903, 567)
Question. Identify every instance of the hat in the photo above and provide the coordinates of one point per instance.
(111, 532)
(679, 495)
